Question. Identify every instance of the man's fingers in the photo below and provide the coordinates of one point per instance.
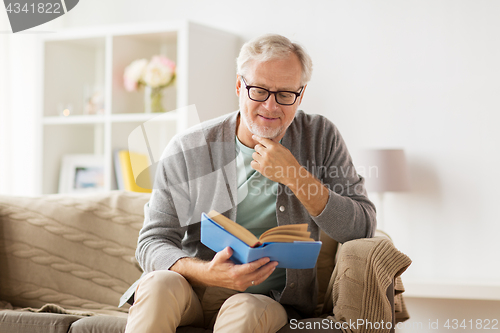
(239, 277)
(254, 265)
(251, 267)
(263, 272)
(223, 255)
(254, 165)
(263, 141)
(256, 157)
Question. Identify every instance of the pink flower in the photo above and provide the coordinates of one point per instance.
(157, 73)
(133, 74)
(164, 61)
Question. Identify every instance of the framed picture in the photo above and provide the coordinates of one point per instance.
(81, 173)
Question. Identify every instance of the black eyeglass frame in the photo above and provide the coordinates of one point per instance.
(269, 92)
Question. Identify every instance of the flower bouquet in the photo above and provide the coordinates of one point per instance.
(154, 75)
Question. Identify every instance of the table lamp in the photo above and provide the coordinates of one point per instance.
(385, 170)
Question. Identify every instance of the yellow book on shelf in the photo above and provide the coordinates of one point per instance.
(125, 164)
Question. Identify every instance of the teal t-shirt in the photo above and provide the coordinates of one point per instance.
(257, 209)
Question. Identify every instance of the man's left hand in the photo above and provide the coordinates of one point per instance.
(274, 161)
(278, 164)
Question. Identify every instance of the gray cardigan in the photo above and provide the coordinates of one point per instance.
(197, 173)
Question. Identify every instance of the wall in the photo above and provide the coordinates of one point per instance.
(19, 97)
(422, 75)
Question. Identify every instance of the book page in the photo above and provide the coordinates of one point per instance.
(234, 228)
(284, 229)
(285, 238)
(299, 234)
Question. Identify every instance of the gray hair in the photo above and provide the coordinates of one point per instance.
(271, 47)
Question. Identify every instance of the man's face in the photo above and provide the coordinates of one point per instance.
(268, 119)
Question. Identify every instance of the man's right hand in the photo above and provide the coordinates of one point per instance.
(222, 272)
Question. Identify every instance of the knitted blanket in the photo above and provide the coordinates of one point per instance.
(357, 288)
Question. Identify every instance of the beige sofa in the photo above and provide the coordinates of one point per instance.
(65, 260)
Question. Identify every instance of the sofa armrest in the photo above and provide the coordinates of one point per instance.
(382, 234)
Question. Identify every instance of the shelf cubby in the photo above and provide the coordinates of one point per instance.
(88, 62)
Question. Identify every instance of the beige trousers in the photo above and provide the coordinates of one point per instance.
(165, 300)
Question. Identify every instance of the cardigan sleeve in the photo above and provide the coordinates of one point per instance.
(159, 243)
(348, 214)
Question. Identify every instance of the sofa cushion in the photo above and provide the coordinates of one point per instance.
(107, 324)
(12, 321)
(110, 324)
(76, 251)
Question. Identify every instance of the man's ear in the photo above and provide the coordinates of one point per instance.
(238, 85)
(302, 94)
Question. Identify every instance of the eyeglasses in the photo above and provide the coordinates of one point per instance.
(259, 94)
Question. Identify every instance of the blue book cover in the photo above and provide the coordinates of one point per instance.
(295, 255)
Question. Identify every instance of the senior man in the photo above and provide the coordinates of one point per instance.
(279, 166)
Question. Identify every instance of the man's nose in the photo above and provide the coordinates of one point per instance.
(270, 103)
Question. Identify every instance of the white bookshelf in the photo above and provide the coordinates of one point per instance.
(76, 61)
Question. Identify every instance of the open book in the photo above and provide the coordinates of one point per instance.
(282, 233)
(290, 245)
